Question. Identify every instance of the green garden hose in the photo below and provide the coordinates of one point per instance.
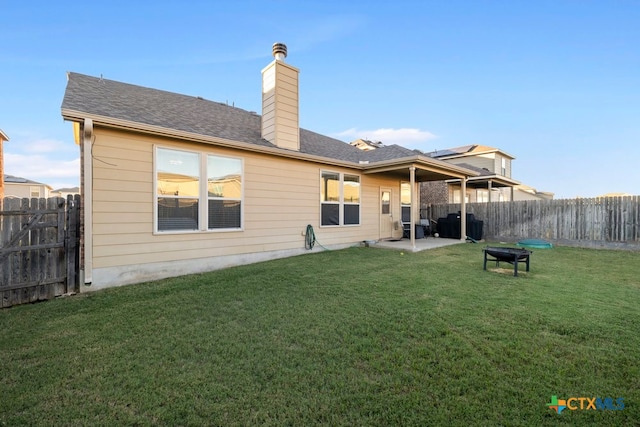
(310, 239)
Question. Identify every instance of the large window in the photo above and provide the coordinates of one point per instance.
(339, 199)
(192, 186)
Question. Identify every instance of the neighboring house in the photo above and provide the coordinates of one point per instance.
(175, 184)
(3, 138)
(525, 192)
(366, 145)
(15, 186)
(493, 183)
(64, 192)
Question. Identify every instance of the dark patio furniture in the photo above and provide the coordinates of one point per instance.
(513, 256)
(450, 226)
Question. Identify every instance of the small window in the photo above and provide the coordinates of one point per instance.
(330, 191)
(34, 191)
(385, 203)
(351, 199)
(339, 199)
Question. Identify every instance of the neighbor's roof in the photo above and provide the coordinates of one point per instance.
(67, 190)
(20, 180)
(10, 179)
(467, 150)
(139, 108)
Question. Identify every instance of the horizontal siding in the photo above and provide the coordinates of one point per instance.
(287, 75)
(287, 84)
(288, 99)
(288, 109)
(281, 196)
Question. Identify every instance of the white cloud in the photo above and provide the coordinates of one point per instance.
(65, 173)
(46, 146)
(406, 137)
(26, 141)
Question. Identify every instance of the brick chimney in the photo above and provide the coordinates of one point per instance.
(280, 118)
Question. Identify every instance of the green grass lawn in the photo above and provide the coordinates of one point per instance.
(363, 336)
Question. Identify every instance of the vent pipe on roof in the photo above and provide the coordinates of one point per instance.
(279, 51)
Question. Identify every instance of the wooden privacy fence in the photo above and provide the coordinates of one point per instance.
(38, 248)
(612, 222)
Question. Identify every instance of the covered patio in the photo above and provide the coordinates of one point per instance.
(416, 169)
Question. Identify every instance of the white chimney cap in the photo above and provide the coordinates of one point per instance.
(279, 51)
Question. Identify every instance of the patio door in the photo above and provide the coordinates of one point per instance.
(386, 214)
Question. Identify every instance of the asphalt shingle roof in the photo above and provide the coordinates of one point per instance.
(123, 101)
(20, 180)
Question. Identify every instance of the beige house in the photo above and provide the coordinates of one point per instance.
(3, 138)
(15, 186)
(525, 192)
(64, 192)
(366, 145)
(186, 185)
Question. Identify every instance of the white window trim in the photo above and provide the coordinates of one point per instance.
(203, 198)
(341, 203)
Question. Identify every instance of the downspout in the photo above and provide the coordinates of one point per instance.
(463, 209)
(412, 222)
(88, 200)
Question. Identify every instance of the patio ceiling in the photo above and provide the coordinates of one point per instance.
(483, 181)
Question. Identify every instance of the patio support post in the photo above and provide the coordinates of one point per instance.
(414, 203)
(463, 209)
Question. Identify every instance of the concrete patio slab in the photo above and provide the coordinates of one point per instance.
(421, 244)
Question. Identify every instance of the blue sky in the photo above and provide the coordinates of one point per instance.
(554, 83)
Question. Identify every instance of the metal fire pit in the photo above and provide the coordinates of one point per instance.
(511, 255)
